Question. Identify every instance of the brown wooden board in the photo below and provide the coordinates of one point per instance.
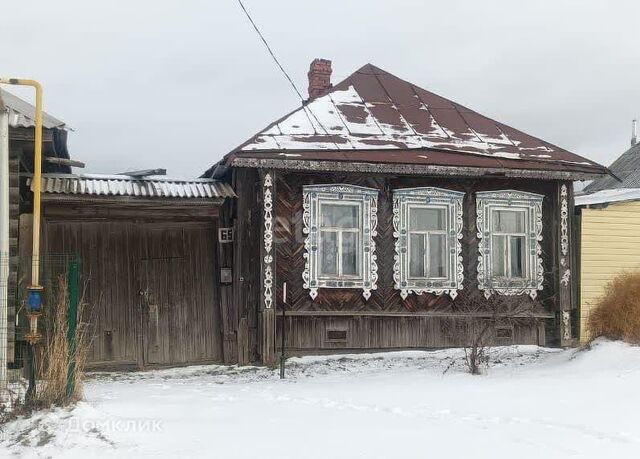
(150, 289)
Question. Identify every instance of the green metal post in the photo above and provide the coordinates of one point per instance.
(72, 324)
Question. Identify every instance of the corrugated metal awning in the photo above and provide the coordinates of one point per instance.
(148, 187)
(23, 114)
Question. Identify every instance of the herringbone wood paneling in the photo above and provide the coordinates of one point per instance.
(290, 244)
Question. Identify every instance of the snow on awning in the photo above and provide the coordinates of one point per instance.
(605, 196)
(147, 187)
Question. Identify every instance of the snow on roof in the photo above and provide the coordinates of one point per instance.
(605, 196)
(375, 110)
(148, 187)
(23, 114)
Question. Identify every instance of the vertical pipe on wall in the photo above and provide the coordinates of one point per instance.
(4, 240)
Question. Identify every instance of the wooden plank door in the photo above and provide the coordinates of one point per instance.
(162, 310)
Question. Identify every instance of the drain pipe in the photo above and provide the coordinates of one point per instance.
(4, 241)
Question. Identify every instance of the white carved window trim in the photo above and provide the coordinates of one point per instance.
(531, 204)
(367, 200)
(428, 197)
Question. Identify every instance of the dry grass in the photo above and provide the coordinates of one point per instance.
(55, 356)
(617, 314)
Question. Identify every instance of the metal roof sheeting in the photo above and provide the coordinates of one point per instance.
(606, 196)
(23, 114)
(148, 187)
(626, 168)
(373, 110)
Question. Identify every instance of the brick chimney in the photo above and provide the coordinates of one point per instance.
(319, 77)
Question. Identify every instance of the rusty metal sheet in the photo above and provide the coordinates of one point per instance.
(374, 116)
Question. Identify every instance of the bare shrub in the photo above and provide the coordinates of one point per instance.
(483, 317)
(617, 314)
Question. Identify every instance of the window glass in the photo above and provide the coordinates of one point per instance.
(437, 255)
(425, 219)
(498, 256)
(339, 216)
(508, 221)
(518, 256)
(349, 254)
(416, 255)
(328, 252)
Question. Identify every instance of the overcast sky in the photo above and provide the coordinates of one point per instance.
(177, 84)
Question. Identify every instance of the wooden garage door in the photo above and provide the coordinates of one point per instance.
(120, 261)
(179, 318)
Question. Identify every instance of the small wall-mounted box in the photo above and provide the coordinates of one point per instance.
(226, 275)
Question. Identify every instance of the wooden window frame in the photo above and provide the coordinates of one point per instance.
(531, 203)
(339, 232)
(314, 196)
(429, 198)
(508, 235)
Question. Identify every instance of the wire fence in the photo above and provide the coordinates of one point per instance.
(25, 369)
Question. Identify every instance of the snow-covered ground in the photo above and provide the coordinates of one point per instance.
(532, 403)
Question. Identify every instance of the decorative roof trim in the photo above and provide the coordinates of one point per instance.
(407, 169)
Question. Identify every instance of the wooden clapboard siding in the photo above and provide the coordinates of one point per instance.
(365, 320)
(14, 216)
(610, 244)
(311, 334)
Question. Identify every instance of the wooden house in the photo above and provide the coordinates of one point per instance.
(608, 223)
(395, 218)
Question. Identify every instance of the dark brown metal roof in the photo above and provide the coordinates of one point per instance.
(373, 116)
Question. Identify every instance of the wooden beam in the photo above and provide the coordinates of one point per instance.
(443, 314)
(64, 162)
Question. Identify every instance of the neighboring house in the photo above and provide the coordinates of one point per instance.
(21, 117)
(397, 219)
(608, 217)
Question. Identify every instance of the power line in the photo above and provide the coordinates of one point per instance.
(295, 88)
(284, 72)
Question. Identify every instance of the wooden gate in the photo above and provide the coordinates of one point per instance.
(150, 287)
(163, 311)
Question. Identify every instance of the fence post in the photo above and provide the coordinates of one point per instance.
(73, 282)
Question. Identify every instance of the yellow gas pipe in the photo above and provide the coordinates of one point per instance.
(35, 289)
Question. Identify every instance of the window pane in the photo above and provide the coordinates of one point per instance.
(328, 253)
(517, 248)
(349, 254)
(437, 255)
(416, 256)
(508, 221)
(421, 219)
(339, 216)
(498, 256)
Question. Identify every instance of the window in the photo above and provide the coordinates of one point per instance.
(509, 232)
(428, 229)
(340, 223)
(339, 239)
